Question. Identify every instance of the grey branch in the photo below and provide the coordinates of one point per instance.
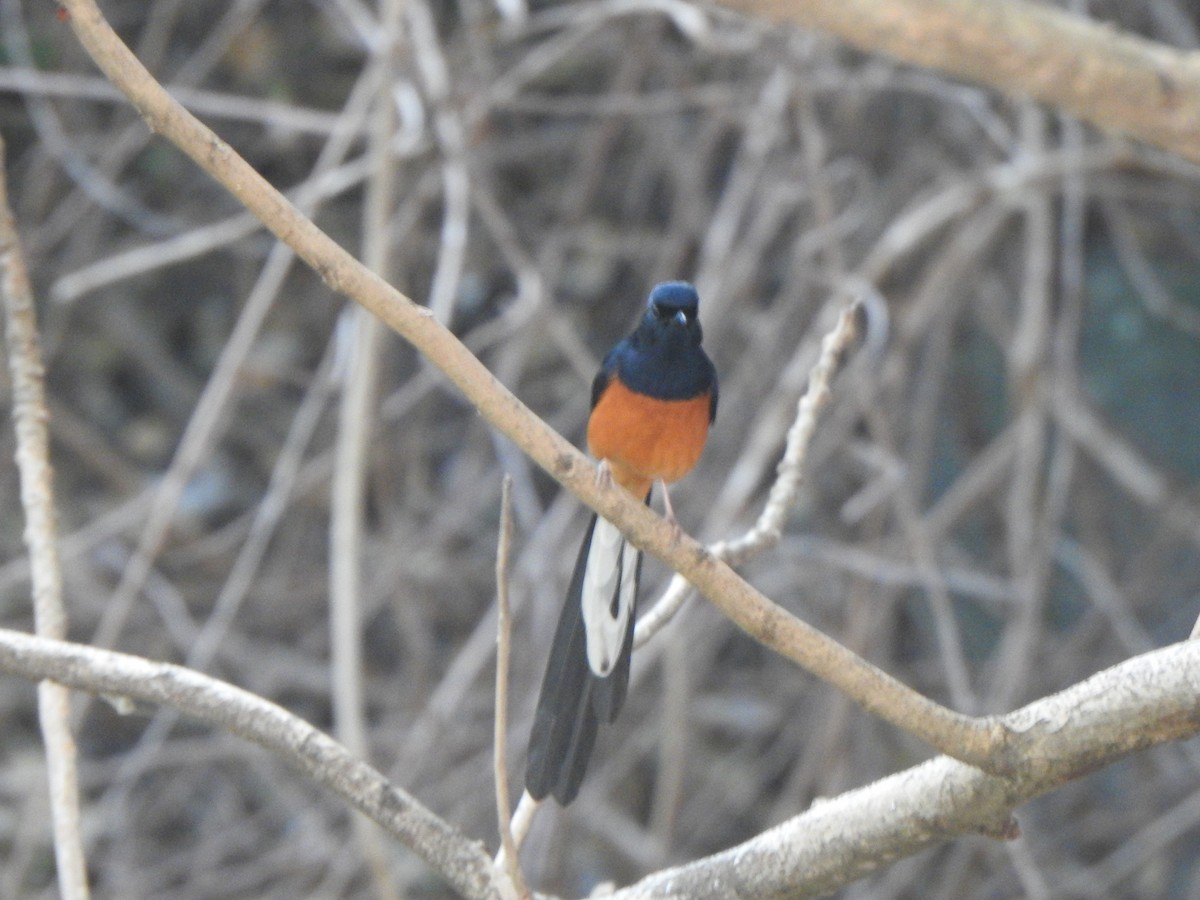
(1144, 701)
(462, 862)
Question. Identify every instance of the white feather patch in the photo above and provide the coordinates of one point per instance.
(611, 570)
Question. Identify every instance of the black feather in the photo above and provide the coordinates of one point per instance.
(573, 699)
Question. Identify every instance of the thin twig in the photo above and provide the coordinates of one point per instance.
(209, 640)
(359, 359)
(789, 474)
(451, 135)
(216, 104)
(207, 418)
(507, 859)
(41, 540)
(522, 818)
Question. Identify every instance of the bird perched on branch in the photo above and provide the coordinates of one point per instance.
(652, 403)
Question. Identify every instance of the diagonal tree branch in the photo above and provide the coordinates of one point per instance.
(462, 862)
(979, 742)
(1110, 78)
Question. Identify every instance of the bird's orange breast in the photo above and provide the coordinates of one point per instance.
(645, 439)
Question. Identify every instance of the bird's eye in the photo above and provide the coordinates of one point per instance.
(661, 312)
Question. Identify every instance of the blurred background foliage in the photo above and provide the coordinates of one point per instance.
(1002, 499)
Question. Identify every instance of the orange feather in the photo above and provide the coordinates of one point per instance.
(645, 439)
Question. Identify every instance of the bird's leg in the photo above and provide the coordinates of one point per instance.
(604, 479)
(669, 512)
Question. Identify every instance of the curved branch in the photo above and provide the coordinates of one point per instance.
(977, 741)
(1110, 78)
(1142, 702)
(461, 862)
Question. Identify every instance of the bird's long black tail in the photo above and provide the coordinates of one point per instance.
(574, 699)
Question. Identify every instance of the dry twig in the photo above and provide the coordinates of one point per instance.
(41, 539)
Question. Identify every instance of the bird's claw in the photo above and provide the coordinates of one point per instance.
(669, 515)
(604, 479)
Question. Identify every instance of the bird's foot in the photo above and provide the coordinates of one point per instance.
(669, 514)
(604, 479)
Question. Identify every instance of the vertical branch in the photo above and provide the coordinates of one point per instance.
(360, 354)
(37, 500)
(508, 852)
(451, 136)
(1029, 540)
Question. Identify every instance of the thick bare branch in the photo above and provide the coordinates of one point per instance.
(1144, 701)
(1113, 79)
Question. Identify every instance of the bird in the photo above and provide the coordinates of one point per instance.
(653, 401)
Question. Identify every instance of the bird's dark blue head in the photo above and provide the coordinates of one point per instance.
(663, 357)
(678, 295)
(672, 315)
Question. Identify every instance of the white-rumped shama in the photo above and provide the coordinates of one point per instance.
(652, 403)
